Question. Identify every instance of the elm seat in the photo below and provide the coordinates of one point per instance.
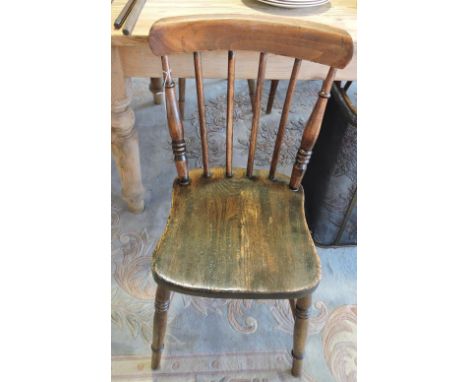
(237, 237)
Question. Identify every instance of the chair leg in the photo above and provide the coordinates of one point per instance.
(156, 88)
(252, 92)
(159, 325)
(271, 96)
(301, 326)
(181, 97)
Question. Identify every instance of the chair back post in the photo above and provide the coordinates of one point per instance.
(176, 128)
(311, 132)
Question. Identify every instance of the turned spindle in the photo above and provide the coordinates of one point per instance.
(311, 132)
(156, 88)
(176, 129)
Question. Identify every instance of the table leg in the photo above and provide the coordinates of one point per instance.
(125, 148)
(301, 327)
(157, 90)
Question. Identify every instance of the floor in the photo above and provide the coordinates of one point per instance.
(217, 339)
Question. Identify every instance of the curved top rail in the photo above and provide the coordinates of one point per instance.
(278, 35)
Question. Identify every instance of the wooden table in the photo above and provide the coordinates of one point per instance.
(131, 57)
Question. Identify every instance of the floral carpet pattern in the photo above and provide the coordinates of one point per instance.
(219, 339)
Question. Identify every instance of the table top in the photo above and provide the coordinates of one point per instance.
(338, 13)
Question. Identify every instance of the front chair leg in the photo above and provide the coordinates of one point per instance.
(159, 325)
(301, 326)
(251, 84)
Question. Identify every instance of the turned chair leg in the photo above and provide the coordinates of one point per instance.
(301, 326)
(182, 97)
(159, 325)
(156, 88)
(271, 96)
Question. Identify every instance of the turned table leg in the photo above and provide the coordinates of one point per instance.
(159, 324)
(157, 90)
(125, 148)
(301, 326)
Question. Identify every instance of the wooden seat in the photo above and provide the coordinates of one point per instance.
(237, 236)
(235, 233)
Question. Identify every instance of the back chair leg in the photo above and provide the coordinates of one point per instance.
(182, 97)
(301, 325)
(159, 325)
(156, 88)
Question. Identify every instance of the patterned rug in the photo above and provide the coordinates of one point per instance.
(218, 339)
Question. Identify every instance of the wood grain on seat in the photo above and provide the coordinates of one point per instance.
(237, 237)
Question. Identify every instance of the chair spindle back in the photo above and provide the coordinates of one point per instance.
(309, 41)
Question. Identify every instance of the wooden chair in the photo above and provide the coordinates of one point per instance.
(235, 233)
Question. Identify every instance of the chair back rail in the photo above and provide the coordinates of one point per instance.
(276, 35)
